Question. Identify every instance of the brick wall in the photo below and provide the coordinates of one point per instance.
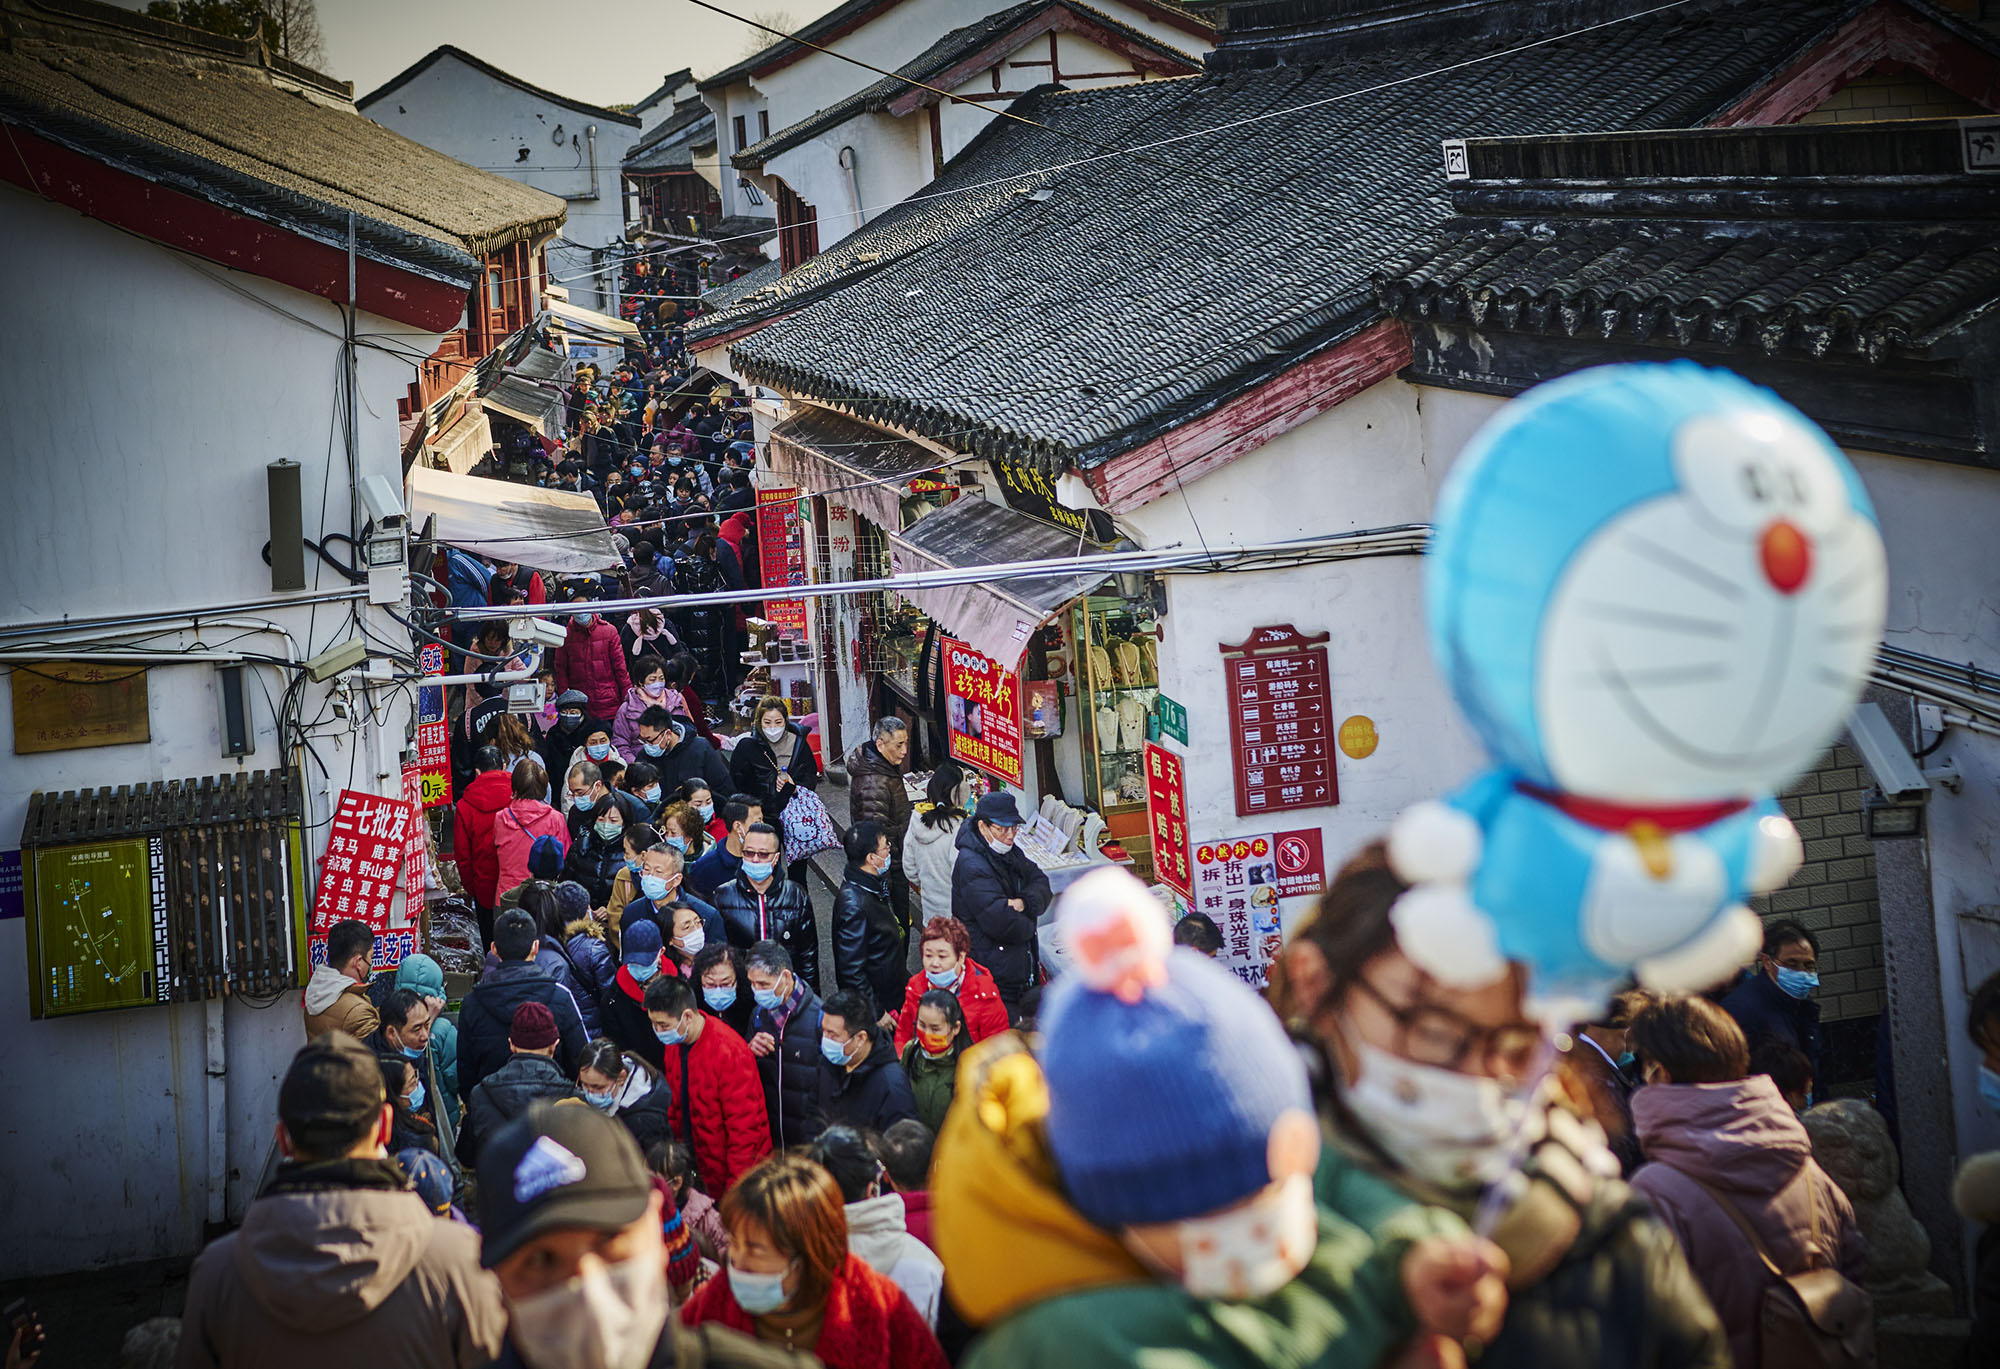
(1834, 891)
(1884, 95)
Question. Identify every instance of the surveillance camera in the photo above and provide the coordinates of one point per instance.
(540, 631)
(1894, 770)
(379, 497)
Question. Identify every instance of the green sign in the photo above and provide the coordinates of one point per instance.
(93, 912)
(1173, 720)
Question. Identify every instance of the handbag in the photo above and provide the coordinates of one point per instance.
(808, 826)
(1815, 1319)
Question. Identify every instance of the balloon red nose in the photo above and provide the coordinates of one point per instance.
(1787, 556)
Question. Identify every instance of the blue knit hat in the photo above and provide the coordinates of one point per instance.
(1162, 1109)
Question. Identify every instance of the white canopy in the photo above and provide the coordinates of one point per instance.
(552, 530)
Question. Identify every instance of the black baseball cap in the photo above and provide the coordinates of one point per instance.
(558, 1165)
(332, 1091)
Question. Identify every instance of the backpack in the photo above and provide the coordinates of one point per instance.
(1815, 1319)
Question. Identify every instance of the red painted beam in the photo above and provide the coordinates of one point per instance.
(1051, 22)
(1887, 33)
(1247, 422)
(195, 226)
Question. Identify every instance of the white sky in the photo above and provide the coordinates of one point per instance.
(604, 52)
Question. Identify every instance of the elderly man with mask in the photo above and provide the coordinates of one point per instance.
(999, 894)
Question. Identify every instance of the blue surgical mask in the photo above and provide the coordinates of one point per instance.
(409, 1054)
(670, 1037)
(719, 1000)
(758, 1294)
(678, 843)
(766, 999)
(601, 1101)
(758, 869)
(642, 973)
(638, 471)
(632, 865)
(941, 979)
(835, 1053)
(580, 802)
(887, 861)
(707, 811)
(651, 794)
(597, 751)
(653, 886)
(417, 1098)
(1797, 983)
(585, 619)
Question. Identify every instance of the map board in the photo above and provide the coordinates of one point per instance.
(98, 913)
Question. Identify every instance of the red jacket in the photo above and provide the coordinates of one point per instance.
(978, 995)
(869, 1323)
(732, 1127)
(917, 1215)
(593, 660)
(472, 836)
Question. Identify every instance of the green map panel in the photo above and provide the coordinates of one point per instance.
(93, 912)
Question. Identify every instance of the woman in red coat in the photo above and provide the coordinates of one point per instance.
(948, 964)
(593, 660)
(718, 1096)
(792, 1282)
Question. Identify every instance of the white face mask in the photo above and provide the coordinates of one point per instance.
(694, 941)
(773, 731)
(1256, 1249)
(607, 1317)
(1450, 1129)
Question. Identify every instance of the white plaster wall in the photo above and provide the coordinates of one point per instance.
(464, 113)
(139, 423)
(888, 156)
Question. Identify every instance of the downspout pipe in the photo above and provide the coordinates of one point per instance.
(848, 161)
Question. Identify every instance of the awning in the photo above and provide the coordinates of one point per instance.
(527, 390)
(459, 447)
(996, 617)
(849, 462)
(552, 530)
(593, 324)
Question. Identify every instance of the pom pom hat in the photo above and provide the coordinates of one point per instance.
(1165, 1080)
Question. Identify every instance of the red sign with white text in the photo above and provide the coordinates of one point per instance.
(358, 875)
(781, 554)
(1166, 818)
(1280, 721)
(982, 710)
(1301, 860)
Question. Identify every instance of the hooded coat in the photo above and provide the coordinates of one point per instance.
(515, 829)
(593, 660)
(877, 1234)
(594, 964)
(929, 853)
(473, 837)
(978, 998)
(868, 1323)
(1743, 1140)
(754, 766)
(718, 1104)
(1003, 939)
(594, 862)
(338, 1265)
(425, 976)
(504, 1095)
(333, 1002)
(872, 1096)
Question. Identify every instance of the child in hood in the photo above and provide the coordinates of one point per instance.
(1141, 1187)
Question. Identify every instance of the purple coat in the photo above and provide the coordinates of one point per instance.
(1742, 1139)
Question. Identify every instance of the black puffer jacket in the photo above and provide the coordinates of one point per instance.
(692, 758)
(875, 793)
(755, 767)
(489, 1011)
(874, 1095)
(868, 954)
(504, 1095)
(594, 863)
(791, 1072)
(647, 1119)
(783, 913)
(1003, 940)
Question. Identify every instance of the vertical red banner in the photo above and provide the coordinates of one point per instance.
(781, 554)
(358, 877)
(433, 731)
(416, 854)
(982, 712)
(1166, 817)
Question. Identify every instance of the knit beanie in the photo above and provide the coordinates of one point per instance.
(572, 901)
(1166, 1073)
(533, 1028)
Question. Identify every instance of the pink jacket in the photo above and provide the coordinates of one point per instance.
(514, 831)
(1743, 1140)
(593, 660)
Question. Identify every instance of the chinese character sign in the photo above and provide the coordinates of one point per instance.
(1166, 818)
(982, 711)
(1279, 702)
(781, 554)
(433, 732)
(1236, 885)
(417, 853)
(358, 876)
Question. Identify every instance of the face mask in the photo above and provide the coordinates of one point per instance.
(608, 1317)
(601, 1101)
(570, 719)
(581, 802)
(1453, 1130)
(653, 750)
(651, 793)
(694, 941)
(611, 831)
(633, 866)
(707, 811)
(584, 620)
(941, 979)
(758, 1294)
(653, 886)
(934, 1044)
(597, 751)
(773, 732)
(766, 999)
(678, 843)
(887, 861)
(409, 1054)
(655, 688)
(638, 471)
(835, 1053)
(642, 973)
(670, 1037)
(416, 1098)
(1989, 1087)
(1000, 848)
(758, 870)
(719, 1000)
(1797, 983)
(1253, 1251)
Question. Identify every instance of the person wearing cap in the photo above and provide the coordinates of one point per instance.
(566, 735)
(718, 1099)
(999, 894)
(338, 1263)
(530, 1075)
(622, 1007)
(573, 1228)
(485, 1020)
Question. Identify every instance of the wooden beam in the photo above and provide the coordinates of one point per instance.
(1051, 21)
(1242, 425)
(1887, 32)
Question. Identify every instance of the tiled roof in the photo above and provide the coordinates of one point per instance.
(230, 130)
(1130, 292)
(670, 147)
(939, 57)
(431, 58)
(668, 85)
(749, 283)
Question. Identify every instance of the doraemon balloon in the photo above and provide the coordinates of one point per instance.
(1656, 592)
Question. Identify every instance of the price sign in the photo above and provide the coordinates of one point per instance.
(433, 731)
(1279, 721)
(358, 876)
(781, 554)
(1236, 885)
(1166, 817)
(982, 710)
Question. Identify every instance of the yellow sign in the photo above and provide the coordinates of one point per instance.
(1358, 737)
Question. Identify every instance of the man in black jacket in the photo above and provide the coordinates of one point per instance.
(760, 904)
(490, 1007)
(861, 1085)
(875, 790)
(868, 955)
(784, 1036)
(999, 894)
(679, 755)
(530, 1073)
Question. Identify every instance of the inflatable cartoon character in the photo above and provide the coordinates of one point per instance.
(1656, 592)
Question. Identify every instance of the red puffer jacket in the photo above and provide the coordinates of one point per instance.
(732, 1128)
(869, 1322)
(472, 837)
(978, 995)
(593, 660)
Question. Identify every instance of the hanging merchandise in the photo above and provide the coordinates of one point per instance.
(1656, 592)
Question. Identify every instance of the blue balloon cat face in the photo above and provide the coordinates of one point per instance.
(1655, 584)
